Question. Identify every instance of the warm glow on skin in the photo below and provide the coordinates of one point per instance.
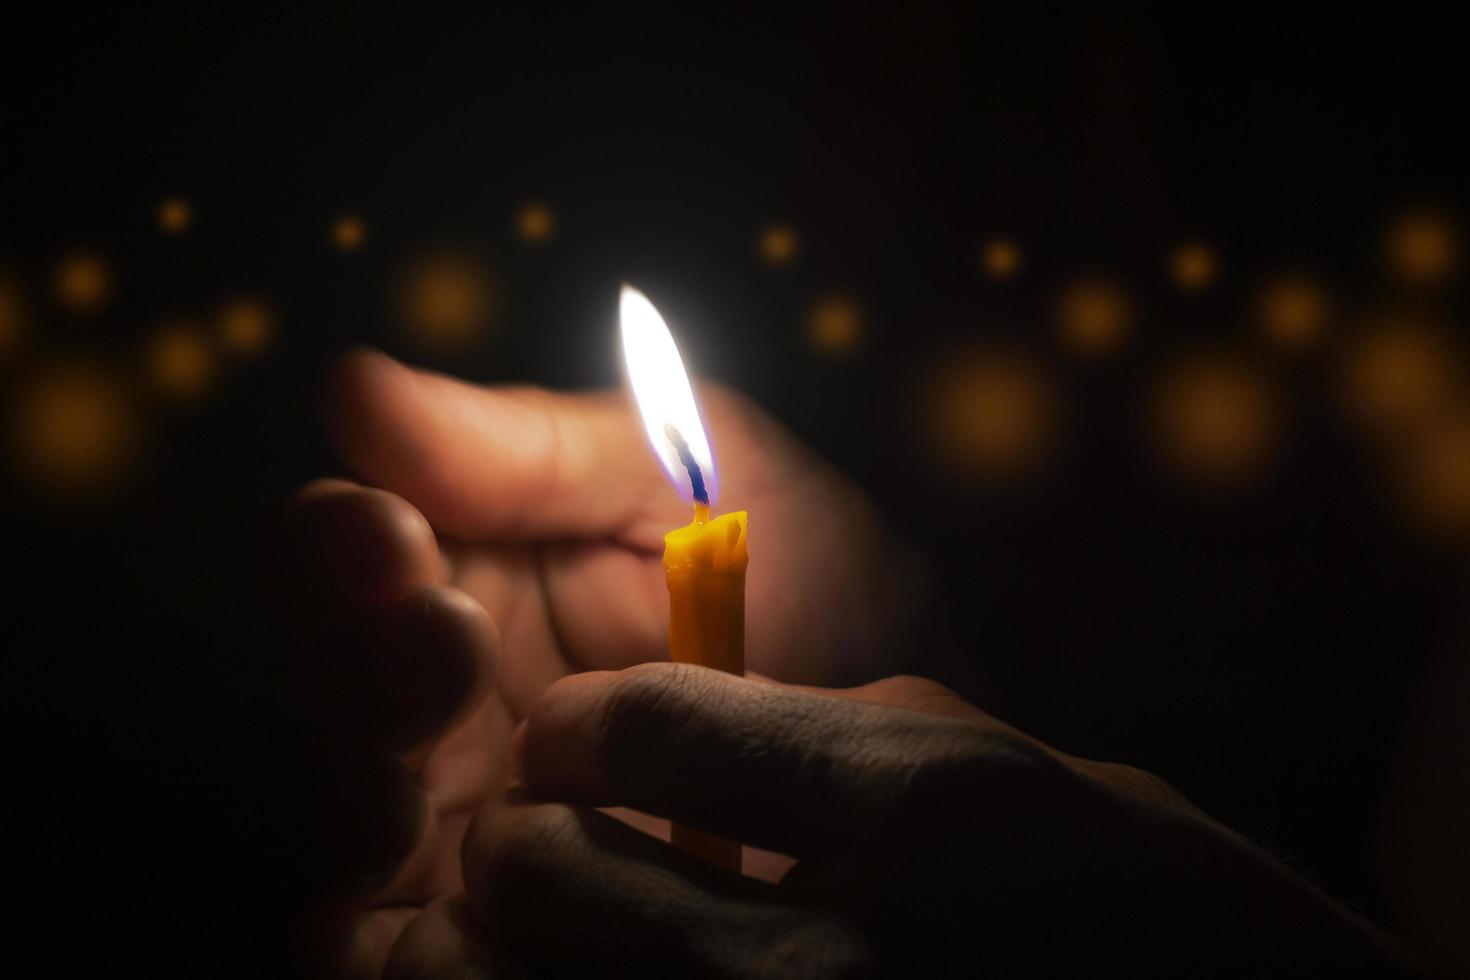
(778, 245)
(1000, 259)
(661, 388)
(835, 325)
(174, 216)
(535, 223)
(446, 301)
(81, 282)
(1094, 315)
(349, 233)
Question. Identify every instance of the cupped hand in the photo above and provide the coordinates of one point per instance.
(933, 840)
(495, 540)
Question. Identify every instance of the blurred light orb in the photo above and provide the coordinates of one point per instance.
(1292, 311)
(1422, 248)
(1399, 374)
(349, 232)
(778, 245)
(1193, 266)
(179, 360)
(1000, 258)
(446, 300)
(1436, 478)
(246, 325)
(75, 430)
(1095, 316)
(988, 414)
(835, 325)
(174, 216)
(14, 313)
(81, 282)
(535, 223)
(1216, 421)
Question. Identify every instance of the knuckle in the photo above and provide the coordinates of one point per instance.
(509, 855)
(1143, 786)
(649, 703)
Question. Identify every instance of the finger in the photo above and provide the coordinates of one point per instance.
(358, 941)
(903, 691)
(349, 544)
(481, 462)
(785, 770)
(446, 942)
(402, 676)
(539, 873)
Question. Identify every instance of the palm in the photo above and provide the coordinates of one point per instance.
(571, 574)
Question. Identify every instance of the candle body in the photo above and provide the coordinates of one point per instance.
(704, 565)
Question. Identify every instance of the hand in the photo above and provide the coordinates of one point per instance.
(501, 539)
(933, 841)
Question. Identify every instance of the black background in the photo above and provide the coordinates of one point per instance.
(1258, 650)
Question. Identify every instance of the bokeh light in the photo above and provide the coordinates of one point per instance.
(349, 232)
(535, 223)
(1292, 311)
(179, 360)
(1399, 372)
(989, 414)
(1216, 420)
(246, 326)
(14, 313)
(446, 300)
(835, 324)
(1193, 266)
(1435, 477)
(81, 282)
(174, 216)
(1422, 248)
(75, 431)
(777, 245)
(1094, 315)
(1000, 258)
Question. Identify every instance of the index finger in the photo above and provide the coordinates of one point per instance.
(787, 770)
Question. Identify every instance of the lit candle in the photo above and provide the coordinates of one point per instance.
(704, 563)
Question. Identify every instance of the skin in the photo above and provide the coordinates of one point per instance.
(480, 612)
(494, 540)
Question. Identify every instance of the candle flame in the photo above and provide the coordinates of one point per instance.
(661, 388)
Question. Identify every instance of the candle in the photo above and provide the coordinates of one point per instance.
(704, 562)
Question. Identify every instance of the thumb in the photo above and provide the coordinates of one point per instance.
(491, 462)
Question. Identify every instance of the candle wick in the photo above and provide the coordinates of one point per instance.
(696, 478)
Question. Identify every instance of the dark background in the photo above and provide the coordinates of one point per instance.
(1257, 647)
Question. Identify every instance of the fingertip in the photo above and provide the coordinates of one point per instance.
(558, 741)
(359, 543)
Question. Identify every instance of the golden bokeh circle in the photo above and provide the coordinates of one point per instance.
(1000, 258)
(246, 326)
(835, 325)
(989, 414)
(81, 282)
(1292, 312)
(1435, 477)
(1216, 420)
(348, 232)
(75, 430)
(446, 300)
(1398, 373)
(535, 223)
(1095, 316)
(179, 360)
(778, 245)
(1422, 248)
(174, 216)
(1193, 266)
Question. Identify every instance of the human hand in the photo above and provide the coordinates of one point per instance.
(933, 841)
(501, 539)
